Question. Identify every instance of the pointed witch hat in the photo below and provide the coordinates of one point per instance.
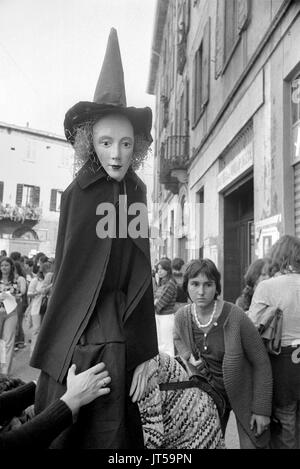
(109, 98)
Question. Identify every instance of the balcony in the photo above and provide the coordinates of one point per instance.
(174, 157)
(18, 214)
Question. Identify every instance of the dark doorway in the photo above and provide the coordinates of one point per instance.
(238, 238)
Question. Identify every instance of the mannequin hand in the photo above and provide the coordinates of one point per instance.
(139, 381)
(262, 423)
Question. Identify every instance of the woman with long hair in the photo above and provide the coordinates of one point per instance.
(283, 292)
(8, 324)
(164, 302)
(217, 337)
(257, 271)
(36, 290)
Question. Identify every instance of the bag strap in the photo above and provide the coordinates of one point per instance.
(196, 380)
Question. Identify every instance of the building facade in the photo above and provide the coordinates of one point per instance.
(226, 76)
(35, 168)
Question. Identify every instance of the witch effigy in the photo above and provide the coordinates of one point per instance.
(101, 306)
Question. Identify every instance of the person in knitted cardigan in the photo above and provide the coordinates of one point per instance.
(217, 337)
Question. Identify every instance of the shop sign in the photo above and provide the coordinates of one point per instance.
(236, 168)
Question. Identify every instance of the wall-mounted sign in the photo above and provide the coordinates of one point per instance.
(236, 168)
(296, 143)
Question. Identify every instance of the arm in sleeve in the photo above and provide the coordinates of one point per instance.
(257, 355)
(41, 430)
(13, 402)
(180, 335)
(167, 296)
(22, 285)
(32, 287)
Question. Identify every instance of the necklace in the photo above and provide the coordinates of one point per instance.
(210, 319)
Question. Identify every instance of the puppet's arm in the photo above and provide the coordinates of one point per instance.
(139, 381)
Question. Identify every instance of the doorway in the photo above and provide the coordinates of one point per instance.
(238, 237)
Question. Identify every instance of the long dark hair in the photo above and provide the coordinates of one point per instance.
(166, 265)
(19, 269)
(11, 276)
(251, 277)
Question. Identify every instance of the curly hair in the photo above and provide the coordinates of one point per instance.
(285, 255)
(84, 148)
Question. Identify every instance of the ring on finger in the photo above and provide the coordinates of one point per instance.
(103, 382)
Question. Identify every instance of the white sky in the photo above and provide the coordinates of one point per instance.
(51, 52)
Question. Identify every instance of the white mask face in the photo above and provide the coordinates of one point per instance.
(113, 140)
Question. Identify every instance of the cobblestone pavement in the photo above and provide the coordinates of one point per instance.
(22, 370)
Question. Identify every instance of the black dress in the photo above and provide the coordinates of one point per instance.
(111, 421)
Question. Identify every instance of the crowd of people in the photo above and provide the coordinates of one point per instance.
(227, 342)
(25, 286)
(217, 340)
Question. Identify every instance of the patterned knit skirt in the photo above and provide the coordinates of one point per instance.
(181, 418)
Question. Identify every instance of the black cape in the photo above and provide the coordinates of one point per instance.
(80, 264)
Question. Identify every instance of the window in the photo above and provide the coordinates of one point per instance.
(1, 191)
(198, 83)
(201, 74)
(27, 195)
(30, 154)
(55, 200)
(231, 20)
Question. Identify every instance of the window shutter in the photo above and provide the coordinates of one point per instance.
(220, 36)
(187, 15)
(194, 90)
(53, 200)
(19, 194)
(1, 190)
(206, 64)
(243, 10)
(36, 196)
(187, 108)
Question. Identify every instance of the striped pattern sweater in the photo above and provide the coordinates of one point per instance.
(166, 296)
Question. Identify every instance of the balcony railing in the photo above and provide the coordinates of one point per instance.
(174, 155)
(177, 151)
(20, 214)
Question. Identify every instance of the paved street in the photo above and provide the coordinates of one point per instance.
(22, 370)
